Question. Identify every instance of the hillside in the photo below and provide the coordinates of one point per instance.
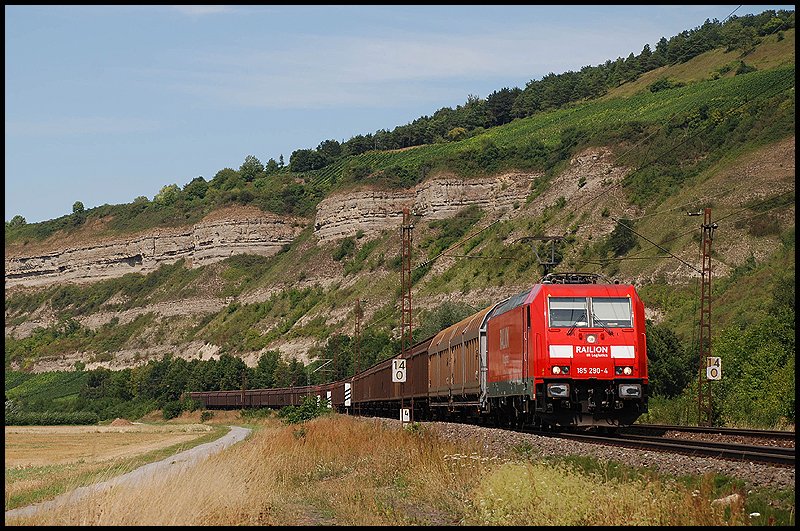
(242, 280)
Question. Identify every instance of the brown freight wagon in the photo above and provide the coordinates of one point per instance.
(374, 392)
(455, 364)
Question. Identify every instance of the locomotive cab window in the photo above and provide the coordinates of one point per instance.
(568, 312)
(612, 312)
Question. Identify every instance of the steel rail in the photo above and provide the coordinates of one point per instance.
(728, 451)
(709, 429)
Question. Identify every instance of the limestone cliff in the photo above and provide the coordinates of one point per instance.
(206, 242)
(346, 213)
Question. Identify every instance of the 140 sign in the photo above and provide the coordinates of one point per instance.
(399, 370)
(713, 368)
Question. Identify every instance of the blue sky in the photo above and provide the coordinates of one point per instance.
(107, 103)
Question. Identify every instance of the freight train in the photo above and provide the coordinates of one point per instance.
(568, 353)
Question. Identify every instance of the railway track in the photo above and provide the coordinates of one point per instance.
(662, 429)
(721, 450)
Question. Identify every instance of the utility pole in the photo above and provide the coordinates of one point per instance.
(405, 337)
(357, 353)
(703, 383)
(244, 387)
(357, 336)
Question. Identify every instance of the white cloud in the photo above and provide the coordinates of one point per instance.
(313, 71)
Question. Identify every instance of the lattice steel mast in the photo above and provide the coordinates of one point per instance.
(704, 407)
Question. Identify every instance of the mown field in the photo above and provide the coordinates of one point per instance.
(42, 462)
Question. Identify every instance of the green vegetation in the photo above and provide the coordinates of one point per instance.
(237, 326)
(50, 418)
(39, 392)
(310, 408)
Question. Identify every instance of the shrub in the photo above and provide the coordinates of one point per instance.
(308, 410)
(171, 409)
(51, 418)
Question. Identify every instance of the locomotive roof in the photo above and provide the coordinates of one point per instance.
(563, 289)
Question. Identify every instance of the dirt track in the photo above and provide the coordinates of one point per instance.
(168, 466)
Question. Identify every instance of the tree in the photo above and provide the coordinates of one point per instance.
(456, 133)
(499, 105)
(306, 160)
(330, 149)
(250, 168)
(264, 371)
(229, 372)
(271, 167)
(358, 144)
(227, 179)
(16, 221)
(669, 366)
(735, 36)
(297, 373)
(338, 349)
(78, 214)
(758, 373)
(167, 195)
(196, 188)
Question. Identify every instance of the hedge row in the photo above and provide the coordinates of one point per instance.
(51, 418)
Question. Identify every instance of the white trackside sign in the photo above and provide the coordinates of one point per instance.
(398, 370)
(713, 368)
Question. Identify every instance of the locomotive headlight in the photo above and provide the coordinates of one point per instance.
(558, 390)
(556, 369)
(627, 371)
(564, 369)
(630, 390)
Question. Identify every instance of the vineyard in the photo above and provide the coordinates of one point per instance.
(716, 99)
(44, 387)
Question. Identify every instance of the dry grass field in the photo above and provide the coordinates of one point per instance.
(341, 470)
(44, 461)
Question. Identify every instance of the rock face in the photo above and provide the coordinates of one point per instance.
(212, 240)
(204, 243)
(344, 214)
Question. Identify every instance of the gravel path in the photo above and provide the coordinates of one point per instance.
(170, 465)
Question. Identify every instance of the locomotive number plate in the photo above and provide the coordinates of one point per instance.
(592, 370)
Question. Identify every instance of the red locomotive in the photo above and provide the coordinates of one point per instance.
(569, 352)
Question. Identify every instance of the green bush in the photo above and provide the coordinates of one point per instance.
(256, 413)
(308, 410)
(171, 409)
(51, 418)
(758, 373)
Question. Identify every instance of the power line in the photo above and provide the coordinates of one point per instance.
(657, 245)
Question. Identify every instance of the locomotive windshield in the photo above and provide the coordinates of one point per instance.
(613, 312)
(590, 312)
(569, 311)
